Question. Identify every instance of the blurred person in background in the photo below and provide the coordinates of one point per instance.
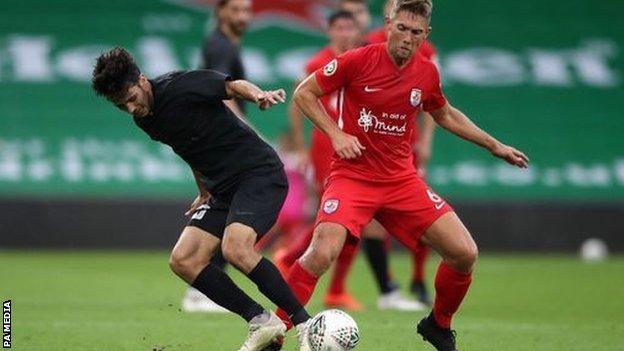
(221, 52)
(361, 13)
(423, 147)
(344, 34)
(221, 49)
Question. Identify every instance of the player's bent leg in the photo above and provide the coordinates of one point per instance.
(450, 238)
(327, 241)
(190, 259)
(193, 251)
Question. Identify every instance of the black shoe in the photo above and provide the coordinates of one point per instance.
(275, 345)
(419, 289)
(442, 339)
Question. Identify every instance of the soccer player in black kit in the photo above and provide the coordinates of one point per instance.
(241, 180)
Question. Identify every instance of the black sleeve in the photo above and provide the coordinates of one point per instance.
(217, 56)
(204, 84)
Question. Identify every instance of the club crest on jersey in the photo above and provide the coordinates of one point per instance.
(415, 96)
(330, 68)
(330, 206)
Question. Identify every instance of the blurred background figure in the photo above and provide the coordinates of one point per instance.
(221, 52)
(221, 49)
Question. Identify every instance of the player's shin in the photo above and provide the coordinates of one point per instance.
(451, 287)
(272, 285)
(302, 282)
(217, 286)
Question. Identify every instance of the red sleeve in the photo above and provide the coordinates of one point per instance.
(435, 99)
(338, 72)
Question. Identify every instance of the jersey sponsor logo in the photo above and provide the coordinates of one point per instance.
(386, 125)
(331, 205)
(415, 97)
(436, 199)
(330, 68)
(371, 90)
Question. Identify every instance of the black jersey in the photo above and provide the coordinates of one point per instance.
(188, 115)
(220, 54)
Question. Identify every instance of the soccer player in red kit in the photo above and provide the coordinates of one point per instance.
(383, 87)
(344, 34)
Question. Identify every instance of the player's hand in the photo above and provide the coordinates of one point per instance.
(347, 146)
(269, 98)
(199, 200)
(511, 155)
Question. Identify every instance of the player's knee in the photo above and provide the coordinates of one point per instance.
(233, 251)
(182, 264)
(237, 251)
(322, 253)
(467, 259)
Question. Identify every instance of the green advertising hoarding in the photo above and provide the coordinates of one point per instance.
(544, 76)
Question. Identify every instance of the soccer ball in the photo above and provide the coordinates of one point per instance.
(333, 330)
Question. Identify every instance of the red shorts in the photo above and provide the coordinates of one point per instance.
(406, 208)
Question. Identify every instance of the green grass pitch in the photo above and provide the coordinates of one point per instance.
(130, 301)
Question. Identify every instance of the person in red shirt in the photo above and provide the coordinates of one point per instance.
(383, 87)
(422, 141)
(344, 34)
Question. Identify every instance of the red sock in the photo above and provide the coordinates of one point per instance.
(302, 284)
(451, 286)
(419, 257)
(344, 262)
(298, 247)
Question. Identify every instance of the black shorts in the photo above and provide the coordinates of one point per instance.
(255, 201)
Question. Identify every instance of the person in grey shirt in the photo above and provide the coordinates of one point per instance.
(221, 49)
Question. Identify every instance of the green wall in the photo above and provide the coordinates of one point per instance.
(545, 76)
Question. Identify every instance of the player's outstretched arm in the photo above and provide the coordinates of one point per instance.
(306, 97)
(296, 117)
(246, 90)
(459, 124)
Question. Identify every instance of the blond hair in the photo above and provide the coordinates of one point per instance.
(417, 7)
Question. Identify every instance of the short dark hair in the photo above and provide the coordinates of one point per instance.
(417, 7)
(339, 14)
(114, 72)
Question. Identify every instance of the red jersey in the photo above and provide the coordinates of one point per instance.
(378, 104)
(380, 35)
